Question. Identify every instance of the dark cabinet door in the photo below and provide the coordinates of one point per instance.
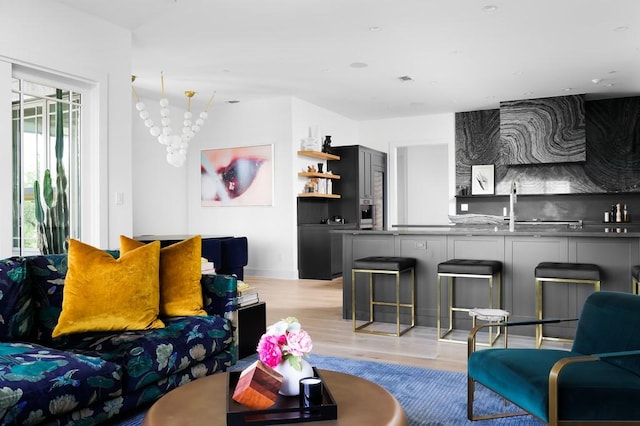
(314, 252)
(320, 251)
(365, 174)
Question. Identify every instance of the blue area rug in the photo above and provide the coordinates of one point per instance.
(429, 397)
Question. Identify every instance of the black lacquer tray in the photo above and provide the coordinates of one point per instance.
(286, 409)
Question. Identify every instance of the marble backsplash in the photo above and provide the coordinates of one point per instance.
(543, 131)
(612, 165)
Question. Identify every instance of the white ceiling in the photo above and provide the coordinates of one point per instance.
(460, 56)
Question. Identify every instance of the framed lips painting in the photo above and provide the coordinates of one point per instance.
(241, 176)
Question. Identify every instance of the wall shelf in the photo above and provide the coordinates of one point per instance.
(313, 175)
(319, 155)
(317, 195)
(318, 175)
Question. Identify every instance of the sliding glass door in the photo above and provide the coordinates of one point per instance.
(46, 142)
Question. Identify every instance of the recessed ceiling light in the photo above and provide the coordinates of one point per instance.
(567, 89)
(358, 65)
(613, 72)
(621, 28)
(233, 101)
(490, 8)
(375, 29)
(405, 78)
(596, 80)
(610, 84)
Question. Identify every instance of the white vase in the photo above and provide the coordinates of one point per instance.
(291, 377)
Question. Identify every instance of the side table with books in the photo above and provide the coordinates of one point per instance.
(252, 323)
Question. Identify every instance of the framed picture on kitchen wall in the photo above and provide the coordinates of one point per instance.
(241, 176)
(482, 179)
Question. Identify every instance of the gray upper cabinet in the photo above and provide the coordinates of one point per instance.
(543, 131)
(363, 172)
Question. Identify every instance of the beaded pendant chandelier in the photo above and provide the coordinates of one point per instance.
(176, 145)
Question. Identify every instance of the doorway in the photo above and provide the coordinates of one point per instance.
(422, 184)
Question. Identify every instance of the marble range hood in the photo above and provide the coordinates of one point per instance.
(543, 131)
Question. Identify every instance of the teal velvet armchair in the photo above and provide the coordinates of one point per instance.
(596, 382)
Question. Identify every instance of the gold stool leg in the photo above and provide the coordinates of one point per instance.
(450, 301)
(413, 297)
(438, 305)
(397, 303)
(353, 298)
(538, 312)
(371, 298)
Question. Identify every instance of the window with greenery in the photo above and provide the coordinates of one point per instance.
(46, 141)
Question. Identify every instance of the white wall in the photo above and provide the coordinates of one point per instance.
(268, 228)
(159, 189)
(50, 37)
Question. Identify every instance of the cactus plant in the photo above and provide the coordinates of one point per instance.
(53, 221)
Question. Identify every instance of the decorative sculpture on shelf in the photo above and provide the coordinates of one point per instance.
(326, 145)
(177, 145)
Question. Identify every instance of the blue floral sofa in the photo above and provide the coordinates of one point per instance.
(90, 378)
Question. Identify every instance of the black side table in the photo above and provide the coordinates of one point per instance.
(252, 323)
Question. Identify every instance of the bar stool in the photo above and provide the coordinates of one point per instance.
(389, 266)
(577, 273)
(466, 268)
(635, 279)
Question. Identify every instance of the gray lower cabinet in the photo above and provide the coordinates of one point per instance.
(520, 255)
(319, 251)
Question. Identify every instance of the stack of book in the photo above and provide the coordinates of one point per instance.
(247, 295)
(207, 267)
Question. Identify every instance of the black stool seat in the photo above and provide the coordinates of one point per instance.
(470, 267)
(387, 263)
(635, 272)
(568, 271)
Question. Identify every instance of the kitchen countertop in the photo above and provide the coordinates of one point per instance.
(609, 230)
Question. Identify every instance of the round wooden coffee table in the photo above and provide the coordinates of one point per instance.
(203, 401)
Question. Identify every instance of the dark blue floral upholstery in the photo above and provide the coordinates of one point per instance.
(16, 309)
(88, 378)
(47, 274)
(31, 374)
(149, 355)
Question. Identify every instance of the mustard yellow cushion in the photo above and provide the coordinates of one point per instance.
(106, 294)
(180, 273)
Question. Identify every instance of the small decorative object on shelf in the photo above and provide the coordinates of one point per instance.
(311, 142)
(283, 347)
(326, 145)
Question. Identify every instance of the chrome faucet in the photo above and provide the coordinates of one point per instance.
(513, 199)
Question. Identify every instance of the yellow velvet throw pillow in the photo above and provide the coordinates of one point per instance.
(106, 294)
(180, 273)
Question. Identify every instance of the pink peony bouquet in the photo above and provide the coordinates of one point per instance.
(284, 340)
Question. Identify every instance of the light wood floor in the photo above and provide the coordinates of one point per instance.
(318, 306)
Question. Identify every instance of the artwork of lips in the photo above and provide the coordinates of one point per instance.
(238, 175)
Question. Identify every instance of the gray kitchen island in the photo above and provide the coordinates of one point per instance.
(615, 248)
